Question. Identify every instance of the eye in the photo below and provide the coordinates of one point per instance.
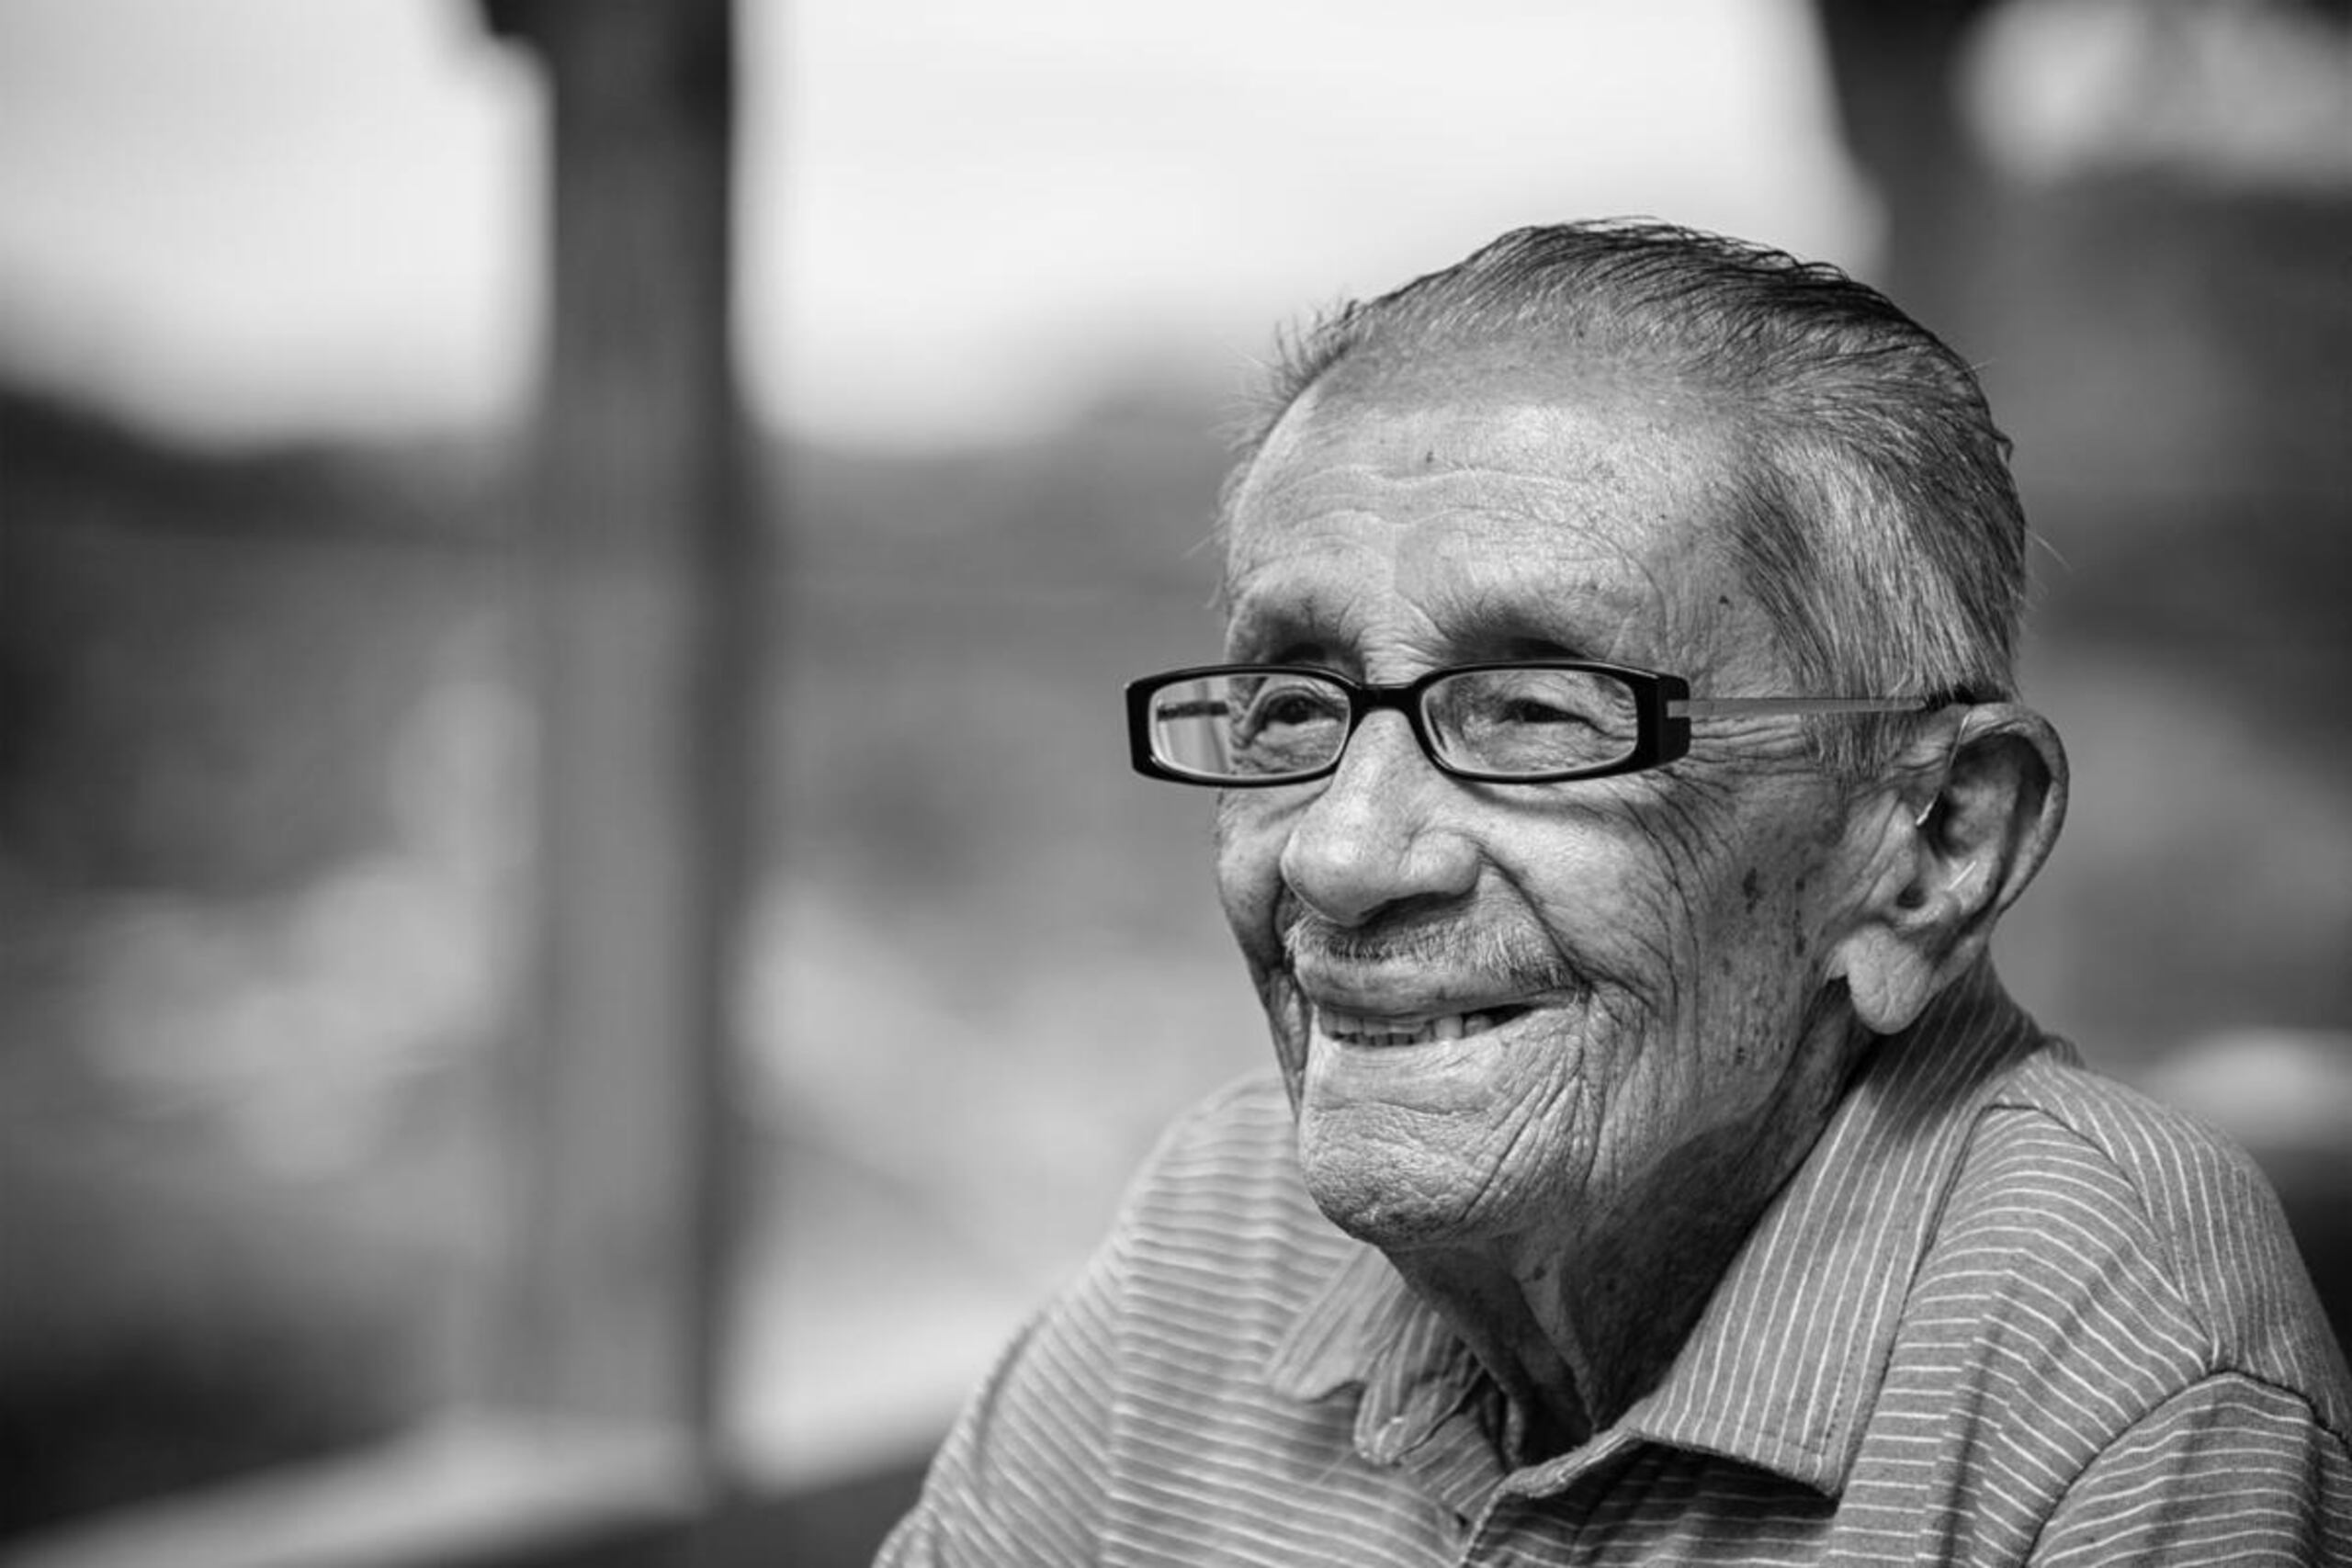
(1288, 703)
(1284, 724)
(1532, 719)
(1535, 711)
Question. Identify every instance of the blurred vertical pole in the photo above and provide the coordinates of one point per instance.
(645, 560)
(1896, 72)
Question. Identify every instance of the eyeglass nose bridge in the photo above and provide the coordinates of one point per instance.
(1364, 699)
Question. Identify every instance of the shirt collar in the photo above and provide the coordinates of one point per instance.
(1784, 1364)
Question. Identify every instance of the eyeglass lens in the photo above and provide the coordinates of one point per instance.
(1508, 722)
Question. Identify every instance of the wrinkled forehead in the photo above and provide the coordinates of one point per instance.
(1633, 460)
(1469, 511)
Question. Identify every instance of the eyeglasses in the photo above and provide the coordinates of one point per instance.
(1531, 721)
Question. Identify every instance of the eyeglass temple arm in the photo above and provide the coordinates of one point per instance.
(1686, 707)
(1729, 708)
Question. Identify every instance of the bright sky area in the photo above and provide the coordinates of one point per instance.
(253, 217)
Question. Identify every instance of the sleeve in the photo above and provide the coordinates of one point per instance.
(1019, 1482)
(2230, 1470)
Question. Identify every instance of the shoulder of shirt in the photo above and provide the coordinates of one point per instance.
(1252, 1108)
(1218, 1245)
(2215, 1240)
(1235, 1150)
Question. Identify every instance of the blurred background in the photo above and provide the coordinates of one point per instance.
(578, 945)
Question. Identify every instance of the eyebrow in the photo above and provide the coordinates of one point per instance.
(1275, 626)
(1259, 627)
(1485, 625)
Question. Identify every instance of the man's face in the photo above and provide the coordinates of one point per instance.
(1508, 1010)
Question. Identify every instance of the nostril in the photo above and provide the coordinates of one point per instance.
(1377, 836)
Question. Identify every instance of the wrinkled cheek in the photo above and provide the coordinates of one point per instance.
(1547, 1151)
(1598, 1121)
(1694, 975)
(1248, 861)
(1642, 966)
(1249, 876)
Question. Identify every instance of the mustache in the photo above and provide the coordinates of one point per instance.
(1506, 957)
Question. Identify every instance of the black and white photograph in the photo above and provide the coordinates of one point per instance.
(1007, 784)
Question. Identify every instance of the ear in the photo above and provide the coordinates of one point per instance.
(1944, 870)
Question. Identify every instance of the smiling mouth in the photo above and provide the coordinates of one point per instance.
(1375, 1030)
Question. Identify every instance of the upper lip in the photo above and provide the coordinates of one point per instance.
(1402, 999)
(1407, 975)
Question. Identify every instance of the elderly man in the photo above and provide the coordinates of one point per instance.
(1623, 777)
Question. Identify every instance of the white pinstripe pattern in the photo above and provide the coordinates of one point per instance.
(2007, 1313)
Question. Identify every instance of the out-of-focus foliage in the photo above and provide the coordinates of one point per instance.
(252, 859)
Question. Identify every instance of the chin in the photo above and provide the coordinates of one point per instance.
(1381, 1215)
(1376, 1180)
(1450, 1141)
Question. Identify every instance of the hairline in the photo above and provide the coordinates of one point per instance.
(1811, 519)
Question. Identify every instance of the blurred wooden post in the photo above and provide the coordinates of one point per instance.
(1895, 74)
(644, 560)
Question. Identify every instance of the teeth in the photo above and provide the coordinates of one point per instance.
(1355, 1030)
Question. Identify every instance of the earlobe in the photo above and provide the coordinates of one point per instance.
(1946, 872)
(1888, 979)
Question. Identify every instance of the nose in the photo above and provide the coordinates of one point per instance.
(1376, 843)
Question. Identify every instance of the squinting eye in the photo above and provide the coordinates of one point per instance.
(1281, 710)
(1526, 710)
(1295, 704)
(1521, 720)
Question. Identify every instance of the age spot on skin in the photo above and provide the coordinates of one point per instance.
(1751, 890)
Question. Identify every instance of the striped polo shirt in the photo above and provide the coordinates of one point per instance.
(2006, 1312)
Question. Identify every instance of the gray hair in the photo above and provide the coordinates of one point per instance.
(1878, 524)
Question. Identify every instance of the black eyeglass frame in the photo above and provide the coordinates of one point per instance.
(1663, 709)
